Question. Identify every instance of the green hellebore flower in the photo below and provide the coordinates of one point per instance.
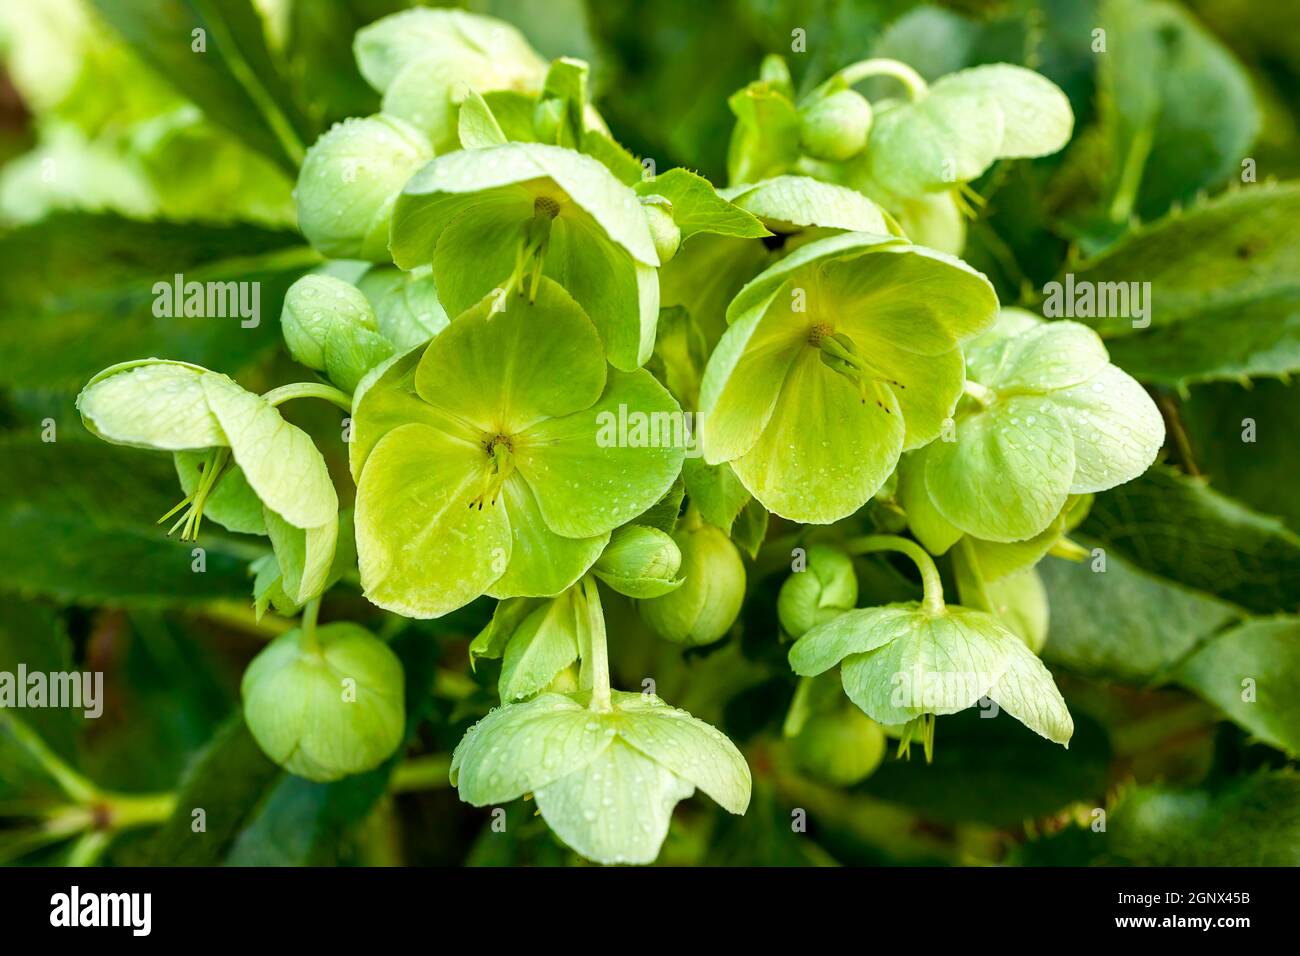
(954, 131)
(641, 562)
(834, 127)
(240, 462)
(349, 181)
(329, 325)
(708, 602)
(1048, 417)
(824, 588)
(487, 462)
(606, 781)
(327, 705)
(424, 61)
(838, 358)
(906, 662)
(406, 304)
(512, 213)
(841, 747)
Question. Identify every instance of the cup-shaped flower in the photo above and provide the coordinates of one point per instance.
(492, 461)
(708, 602)
(424, 61)
(330, 326)
(838, 358)
(240, 462)
(903, 662)
(955, 130)
(605, 781)
(826, 586)
(509, 214)
(1048, 417)
(328, 704)
(349, 180)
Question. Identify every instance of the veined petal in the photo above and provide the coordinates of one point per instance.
(825, 450)
(508, 363)
(1117, 428)
(542, 562)
(423, 551)
(744, 377)
(854, 632)
(1027, 692)
(601, 467)
(1007, 475)
(280, 461)
(477, 250)
(151, 403)
(521, 747)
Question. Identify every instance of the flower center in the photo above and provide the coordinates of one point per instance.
(841, 355)
(500, 466)
(546, 206)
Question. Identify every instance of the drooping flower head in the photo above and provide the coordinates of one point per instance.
(838, 358)
(239, 461)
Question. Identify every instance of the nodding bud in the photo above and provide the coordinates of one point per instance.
(349, 181)
(835, 127)
(327, 708)
(330, 326)
(708, 602)
(826, 587)
(841, 747)
(641, 562)
(664, 231)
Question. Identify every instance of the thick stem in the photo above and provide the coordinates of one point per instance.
(70, 782)
(285, 393)
(930, 581)
(309, 613)
(599, 653)
(880, 66)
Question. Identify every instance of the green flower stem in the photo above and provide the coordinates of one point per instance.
(978, 392)
(855, 73)
(88, 849)
(933, 586)
(310, 612)
(123, 811)
(422, 773)
(70, 781)
(285, 393)
(598, 660)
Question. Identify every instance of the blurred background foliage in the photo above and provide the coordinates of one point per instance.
(126, 159)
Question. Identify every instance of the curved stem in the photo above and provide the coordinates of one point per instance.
(855, 73)
(421, 773)
(309, 613)
(285, 393)
(70, 781)
(599, 654)
(930, 582)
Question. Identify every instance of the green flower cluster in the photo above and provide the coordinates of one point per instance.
(567, 375)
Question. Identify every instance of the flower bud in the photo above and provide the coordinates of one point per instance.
(665, 233)
(327, 708)
(826, 587)
(835, 127)
(641, 562)
(406, 304)
(349, 181)
(840, 747)
(706, 605)
(329, 326)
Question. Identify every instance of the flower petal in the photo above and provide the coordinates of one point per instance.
(422, 550)
(1007, 475)
(151, 403)
(1117, 429)
(1027, 692)
(854, 632)
(542, 562)
(589, 475)
(825, 451)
